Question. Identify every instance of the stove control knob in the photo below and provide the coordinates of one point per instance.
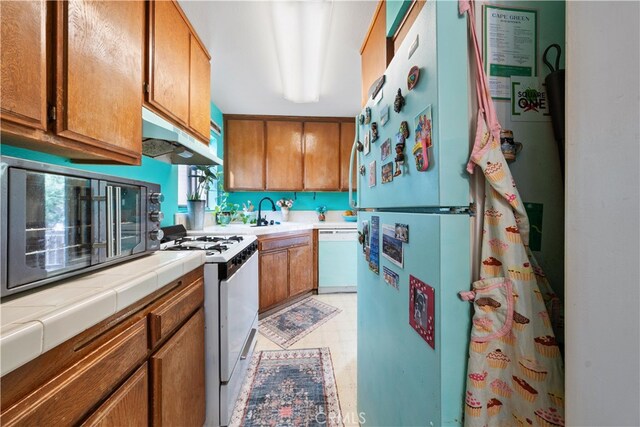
(156, 216)
(156, 235)
(156, 197)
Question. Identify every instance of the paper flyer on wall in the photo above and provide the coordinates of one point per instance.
(529, 102)
(510, 42)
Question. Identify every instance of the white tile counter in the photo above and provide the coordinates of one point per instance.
(36, 321)
(298, 220)
(269, 229)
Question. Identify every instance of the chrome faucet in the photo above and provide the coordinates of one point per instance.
(260, 219)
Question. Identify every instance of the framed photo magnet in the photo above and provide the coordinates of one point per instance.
(421, 309)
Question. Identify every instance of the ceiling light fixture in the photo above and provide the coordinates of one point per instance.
(301, 30)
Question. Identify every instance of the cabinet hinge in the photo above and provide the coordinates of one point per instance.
(52, 113)
(147, 89)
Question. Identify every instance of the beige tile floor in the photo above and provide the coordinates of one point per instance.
(340, 335)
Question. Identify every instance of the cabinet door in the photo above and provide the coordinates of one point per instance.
(99, 75)
(284, 156)
(244, 154)
(23, 63)
(200, 90)
(321, 156)
(376, 51)
(273, 278)
(177, 377)
(300, 270)
(347, 135)
(169, 60)
(128, 405)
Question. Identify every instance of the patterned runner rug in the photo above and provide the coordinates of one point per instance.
(289, 388)
(294, 322)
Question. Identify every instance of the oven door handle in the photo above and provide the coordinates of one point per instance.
(247, 345)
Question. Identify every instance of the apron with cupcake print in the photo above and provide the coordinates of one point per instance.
(515, 373)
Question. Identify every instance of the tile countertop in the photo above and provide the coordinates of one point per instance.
(277, 228)
(37, 321)
(299, 220)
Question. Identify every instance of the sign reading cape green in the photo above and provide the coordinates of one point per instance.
(510, 46)
(529, 102)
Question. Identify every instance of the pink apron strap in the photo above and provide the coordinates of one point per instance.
(485, 103)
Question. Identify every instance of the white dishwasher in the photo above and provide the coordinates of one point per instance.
(337, 252)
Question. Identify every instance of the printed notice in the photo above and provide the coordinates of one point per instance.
(510, 45)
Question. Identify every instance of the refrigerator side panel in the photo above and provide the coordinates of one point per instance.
(452, 128)
(399, 381)
(455, 314)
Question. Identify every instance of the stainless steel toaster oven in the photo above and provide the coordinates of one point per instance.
(58, 222)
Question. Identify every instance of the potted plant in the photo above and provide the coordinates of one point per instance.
(321, 211)
(220, 214)
(285, 205)
(195, 201)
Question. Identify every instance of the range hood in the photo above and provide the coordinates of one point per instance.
(163, 141)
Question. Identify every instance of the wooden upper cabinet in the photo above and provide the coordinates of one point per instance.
(23, 63)
(99, 74)
(409, 18)
(178, 377)
(169, 62)
(376, 51)
(199, 90)
(284, 155)
(244, 154)
(347, 136)
(321, 156)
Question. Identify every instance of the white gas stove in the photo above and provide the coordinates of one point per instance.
(229, 251)
(230, 309)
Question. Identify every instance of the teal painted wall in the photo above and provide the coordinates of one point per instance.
(216, 116)
(304, 201)
(150, 170)
(396, 10)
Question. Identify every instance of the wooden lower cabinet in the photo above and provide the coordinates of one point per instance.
(177, 372)
(300, 270)
(127, 406)
(112, 373)
(288, 266)
(274, 278)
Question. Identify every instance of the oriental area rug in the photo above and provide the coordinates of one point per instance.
(289, 388)
(288, 326)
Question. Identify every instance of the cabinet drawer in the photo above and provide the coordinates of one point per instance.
(66, 398)
(170, 314)
(270, 244)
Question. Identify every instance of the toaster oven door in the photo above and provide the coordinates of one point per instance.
(51, 225)
(125, 220)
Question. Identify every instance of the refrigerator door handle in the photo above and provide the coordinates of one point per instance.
(352, 202)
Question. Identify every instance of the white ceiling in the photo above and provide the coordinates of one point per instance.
(245, 78)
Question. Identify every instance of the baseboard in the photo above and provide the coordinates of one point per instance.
(336, 289)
